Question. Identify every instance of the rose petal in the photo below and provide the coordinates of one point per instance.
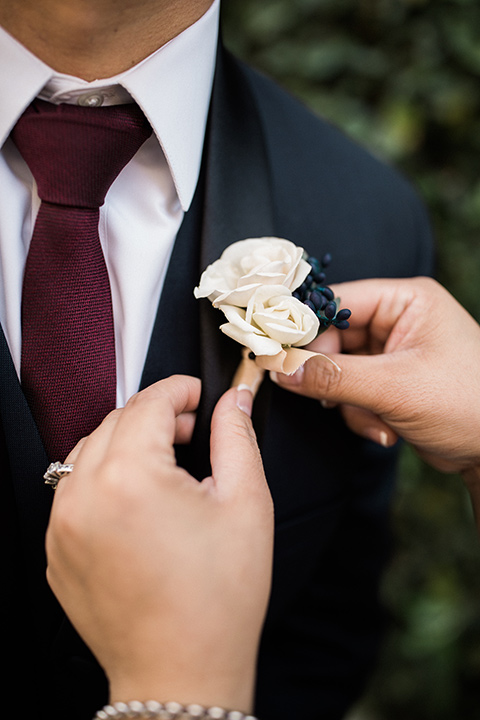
(286, 334)
(282, 317)
(239, 296)
(258, 344)
(303, 269)
(236, 316)
(262, 296)
(250, 263)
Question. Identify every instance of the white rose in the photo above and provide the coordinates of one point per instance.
(272, 319)
(249, 264)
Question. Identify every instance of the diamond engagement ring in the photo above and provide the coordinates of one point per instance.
(55, 472)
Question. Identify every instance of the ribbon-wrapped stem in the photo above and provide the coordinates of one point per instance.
(248, 372)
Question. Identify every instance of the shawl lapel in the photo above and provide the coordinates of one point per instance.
(232, 202)
(238, 205)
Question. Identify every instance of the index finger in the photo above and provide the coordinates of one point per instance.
(149, 417)
(145, 428)
(377, 305)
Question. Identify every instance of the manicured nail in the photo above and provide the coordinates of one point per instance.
(380, 437)
(384, 439)
(326, 405)
(245, 399)
(294, 379)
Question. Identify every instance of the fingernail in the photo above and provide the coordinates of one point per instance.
(245, 399)
(327, 405)
(294, 379)
(380, 437)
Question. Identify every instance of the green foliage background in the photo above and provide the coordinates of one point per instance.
(403, 78)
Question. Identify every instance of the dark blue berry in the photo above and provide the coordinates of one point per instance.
(343, 315)
(318, 299)
(342, 325)
(330, 310)
(328, 292)
(310, 304)
(326, 260)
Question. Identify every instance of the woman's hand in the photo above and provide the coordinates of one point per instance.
(167, 579)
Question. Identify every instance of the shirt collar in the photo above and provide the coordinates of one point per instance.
(172, 86)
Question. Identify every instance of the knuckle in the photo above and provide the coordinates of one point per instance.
(140, 398)
(322, 377)
(64, 527)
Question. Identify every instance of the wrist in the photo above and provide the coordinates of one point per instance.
(234, 691)
(210, 671)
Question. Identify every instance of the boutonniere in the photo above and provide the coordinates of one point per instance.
(275, 300)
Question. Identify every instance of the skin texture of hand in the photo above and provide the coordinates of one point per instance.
(167, 579)
(408, 367)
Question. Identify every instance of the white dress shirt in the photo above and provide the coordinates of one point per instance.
(145, 205)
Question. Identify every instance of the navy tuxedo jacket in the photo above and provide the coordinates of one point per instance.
(270, 168)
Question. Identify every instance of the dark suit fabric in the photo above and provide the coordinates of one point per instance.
(270, 168)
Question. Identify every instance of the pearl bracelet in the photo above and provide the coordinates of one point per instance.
(168, 711)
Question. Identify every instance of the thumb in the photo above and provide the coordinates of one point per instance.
(366, 381)
(235, 458)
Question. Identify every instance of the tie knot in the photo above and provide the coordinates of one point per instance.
(75, 153)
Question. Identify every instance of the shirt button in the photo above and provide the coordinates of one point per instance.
(90, 100)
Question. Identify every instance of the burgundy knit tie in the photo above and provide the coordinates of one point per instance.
(68, 345)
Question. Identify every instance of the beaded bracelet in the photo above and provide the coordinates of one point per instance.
(168, 711)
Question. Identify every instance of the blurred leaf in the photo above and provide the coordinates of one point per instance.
(462, 35)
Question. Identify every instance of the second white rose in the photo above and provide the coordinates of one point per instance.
(272, 320)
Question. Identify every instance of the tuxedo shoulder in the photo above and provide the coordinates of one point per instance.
(328, 186)
(309, 139)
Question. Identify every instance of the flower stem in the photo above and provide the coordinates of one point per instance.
(248, 373)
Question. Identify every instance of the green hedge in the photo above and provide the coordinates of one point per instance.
(403, 78)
